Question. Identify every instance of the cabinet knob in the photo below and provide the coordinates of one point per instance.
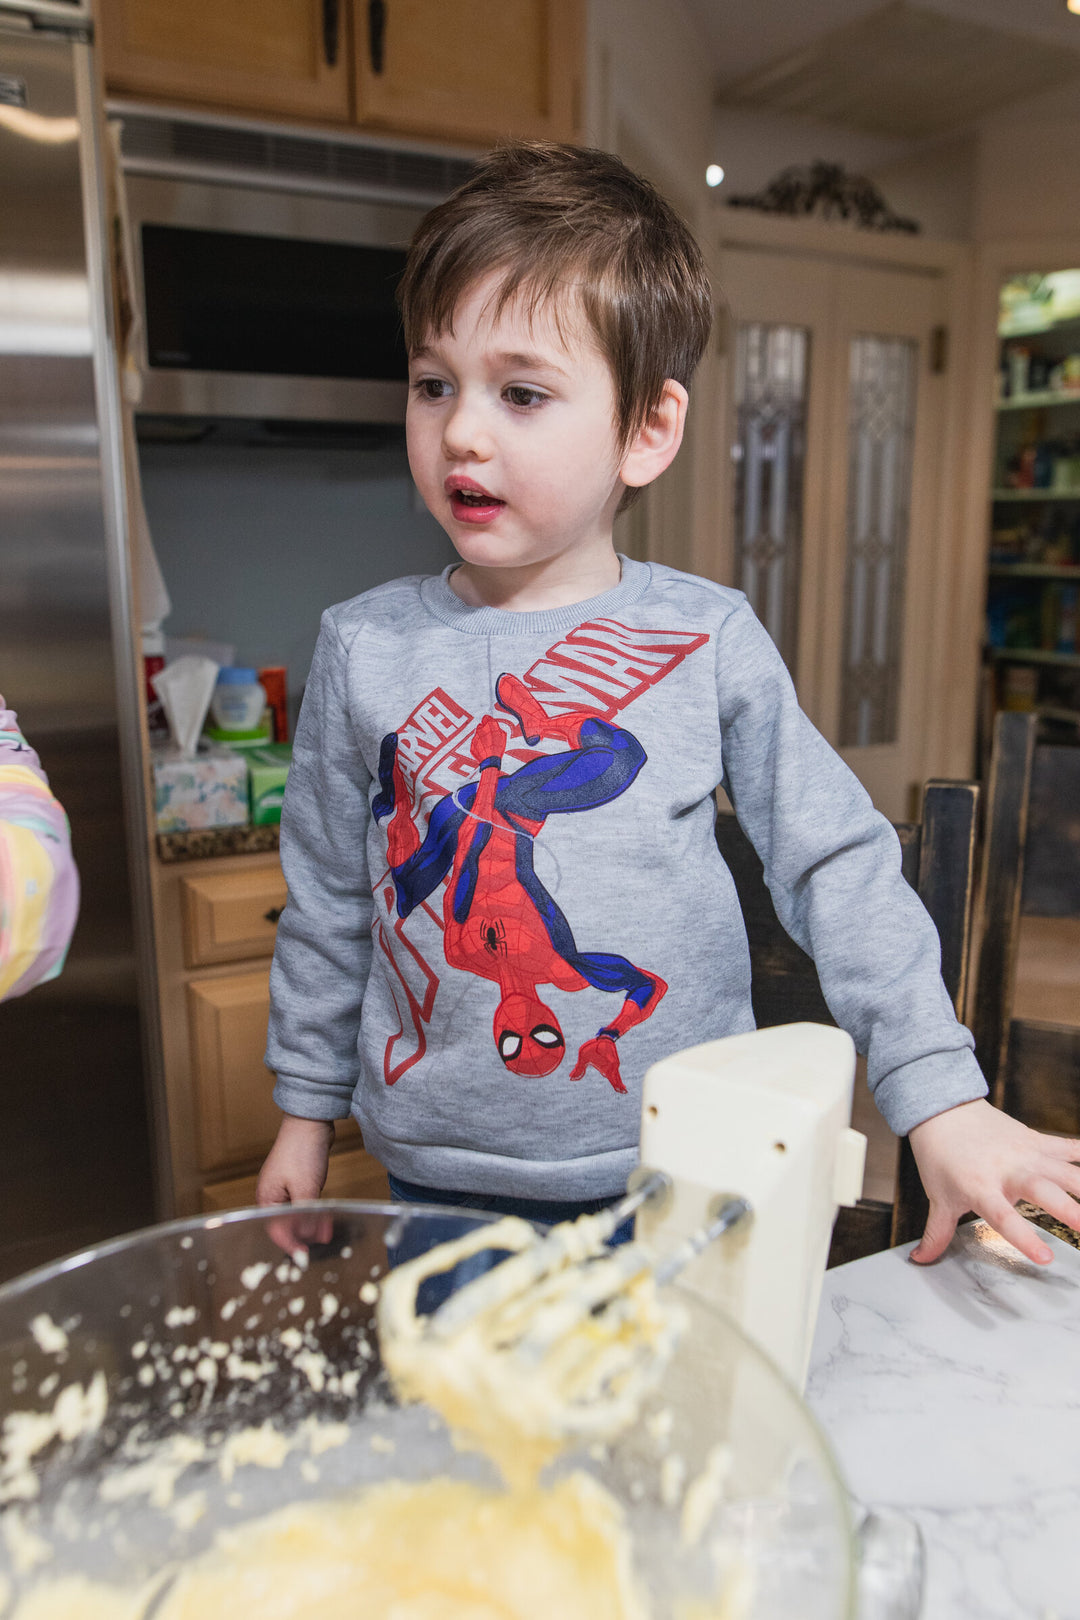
(331, 30)
(376, 16)
(273, 914)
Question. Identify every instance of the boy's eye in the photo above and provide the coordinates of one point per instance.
(523, 398)
(431, 387)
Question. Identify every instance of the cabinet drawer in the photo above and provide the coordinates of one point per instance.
(235, 1113)
(352, 1174)
(231, 915)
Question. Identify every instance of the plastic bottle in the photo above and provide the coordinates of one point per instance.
(238, 701)
(153, 653)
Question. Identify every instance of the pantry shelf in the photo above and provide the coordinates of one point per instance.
(1034, 655)
(1035, 494)
(1039, 401)
(1036, 570)
(1008, 332)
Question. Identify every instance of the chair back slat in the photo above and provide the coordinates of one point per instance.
(1051, 885)
(946, 887)
(946, 880)
(1042, 1076)
(1008, 801)
(1032, 868)
(937, 858)
(784, 986)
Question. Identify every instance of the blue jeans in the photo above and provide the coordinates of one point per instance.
(543, 1211)
(414, 1241)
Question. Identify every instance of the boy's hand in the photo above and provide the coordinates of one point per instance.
(975, 1157)
(295, 1170)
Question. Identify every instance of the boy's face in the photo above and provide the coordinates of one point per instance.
(511, 436)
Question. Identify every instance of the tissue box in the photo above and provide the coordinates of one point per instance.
(210, 790)
(267, 769)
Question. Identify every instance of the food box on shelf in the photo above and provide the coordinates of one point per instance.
(268, 769)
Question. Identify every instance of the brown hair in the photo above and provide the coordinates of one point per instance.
(576, 222)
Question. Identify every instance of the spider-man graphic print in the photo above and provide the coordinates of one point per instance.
(463, 802)
(499, 921)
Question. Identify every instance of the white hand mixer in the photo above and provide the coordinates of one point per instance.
(746, 1152)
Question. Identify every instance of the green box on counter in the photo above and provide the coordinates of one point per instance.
(268, 768)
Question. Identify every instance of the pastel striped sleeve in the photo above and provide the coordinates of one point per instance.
(39, 884)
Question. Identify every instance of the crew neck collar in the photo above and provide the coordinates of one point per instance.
(443, 602)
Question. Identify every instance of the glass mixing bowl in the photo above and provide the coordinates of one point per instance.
(191, 1376)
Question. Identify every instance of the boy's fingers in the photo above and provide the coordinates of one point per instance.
(1050, 1197)
(1064, 1175)
(940, 1226)
(1063, 1147)
(292, 1232)
(1016, 1230)
(281, 1232)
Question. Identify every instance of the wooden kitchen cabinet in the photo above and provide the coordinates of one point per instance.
(237, 1119)
(468, 70)
(280, 57)
(231, 915)
(215, 922)
(465, 71)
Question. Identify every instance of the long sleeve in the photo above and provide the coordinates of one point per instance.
(39, 884)
(832, 865)
(323, 953)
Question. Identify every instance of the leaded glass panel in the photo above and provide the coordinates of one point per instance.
(771, 378)
(881, 422)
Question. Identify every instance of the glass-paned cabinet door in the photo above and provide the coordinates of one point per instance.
(832, 501)
(769, 456)
(883, 373)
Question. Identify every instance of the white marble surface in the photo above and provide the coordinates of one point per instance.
(953, 1394)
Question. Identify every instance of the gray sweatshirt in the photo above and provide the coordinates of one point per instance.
(505, 894)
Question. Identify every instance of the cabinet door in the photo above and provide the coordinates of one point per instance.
(281, 56)
(235, 1114)
(468, 70)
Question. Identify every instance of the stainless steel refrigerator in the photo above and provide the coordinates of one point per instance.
(78, 1146)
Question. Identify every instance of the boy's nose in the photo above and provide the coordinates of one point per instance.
(465, 433)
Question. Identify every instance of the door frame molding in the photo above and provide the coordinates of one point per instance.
(954, 637)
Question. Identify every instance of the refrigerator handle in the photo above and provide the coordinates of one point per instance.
(73, 22)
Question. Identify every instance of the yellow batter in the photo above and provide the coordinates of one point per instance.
(440, 1550)
(517, 1364)
(444, 1549)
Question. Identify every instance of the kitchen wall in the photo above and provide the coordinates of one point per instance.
(255, 541)
(1013, 176)
(649, 97)
(754, 146)
(1028, 182)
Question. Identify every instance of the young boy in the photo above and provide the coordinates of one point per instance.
(505, 896)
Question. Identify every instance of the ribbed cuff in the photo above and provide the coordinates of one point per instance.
(308, 1100)
(927, 1086)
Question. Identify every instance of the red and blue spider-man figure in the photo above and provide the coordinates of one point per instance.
(499, 920)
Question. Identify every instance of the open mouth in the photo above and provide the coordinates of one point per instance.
(473, 497)
(471, 504)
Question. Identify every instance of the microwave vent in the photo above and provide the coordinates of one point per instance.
(239, 154)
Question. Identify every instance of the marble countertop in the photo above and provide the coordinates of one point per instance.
(952, 1393)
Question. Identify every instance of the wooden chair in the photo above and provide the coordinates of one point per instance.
(938, 859)
(1032, 869)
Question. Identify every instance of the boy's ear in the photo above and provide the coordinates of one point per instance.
(656, 443)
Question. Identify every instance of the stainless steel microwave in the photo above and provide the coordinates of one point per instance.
(266, 263)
